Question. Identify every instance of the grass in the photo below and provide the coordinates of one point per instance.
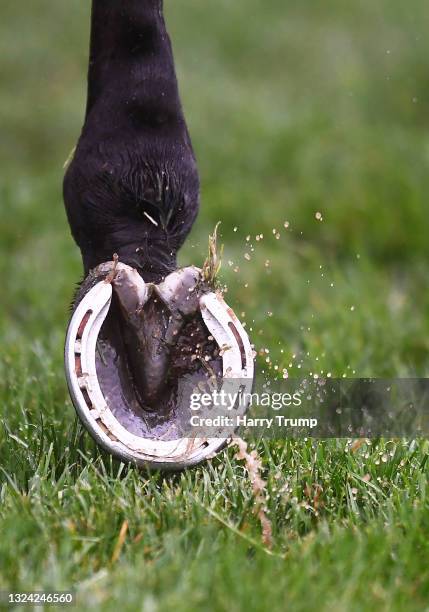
(294, 109)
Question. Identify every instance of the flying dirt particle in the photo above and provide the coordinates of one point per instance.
(253, 466)
(286, 224)
(247, 256)
(319, 216)
(357, 444)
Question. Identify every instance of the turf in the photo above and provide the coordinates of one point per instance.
(295, 109)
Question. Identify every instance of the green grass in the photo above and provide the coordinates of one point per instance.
(294, 109)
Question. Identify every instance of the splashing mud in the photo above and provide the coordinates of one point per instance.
(253, 466)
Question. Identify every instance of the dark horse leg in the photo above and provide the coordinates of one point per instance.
(132, 187)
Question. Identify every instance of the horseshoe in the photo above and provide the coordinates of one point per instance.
(97, 416)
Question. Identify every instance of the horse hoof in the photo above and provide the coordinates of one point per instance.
(137, 353)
